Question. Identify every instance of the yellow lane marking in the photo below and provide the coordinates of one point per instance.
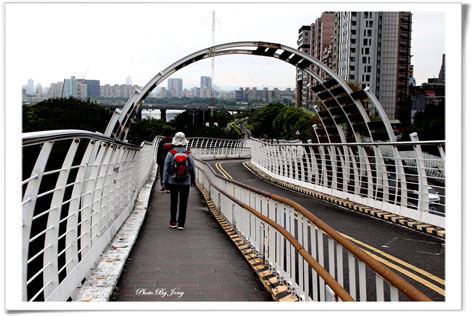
(222, 170)
(228, 174)
(399, 261)
(413, 276)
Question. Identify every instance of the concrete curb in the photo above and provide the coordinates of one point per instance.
(101, 282)
(380, 214)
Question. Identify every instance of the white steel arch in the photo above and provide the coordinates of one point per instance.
(334, 93)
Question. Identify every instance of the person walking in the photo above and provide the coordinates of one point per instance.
(178, 176)
(163, 148)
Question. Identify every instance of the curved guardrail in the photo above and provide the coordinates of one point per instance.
(317, 262)
(78, 189)
(404, 178)
(218, 148)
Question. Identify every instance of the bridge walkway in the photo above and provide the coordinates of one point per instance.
(199, 263)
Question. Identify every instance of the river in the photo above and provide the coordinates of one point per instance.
(156, 114)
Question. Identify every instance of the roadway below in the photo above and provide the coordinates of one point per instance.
(417, 257)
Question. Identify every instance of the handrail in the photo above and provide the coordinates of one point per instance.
(393, 176)
(34, 138)
(334, 285)
(402, 285)
(408, 143)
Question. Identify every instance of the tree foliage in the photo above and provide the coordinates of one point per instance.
(279, 121)
(260, 121)
(65, 113)
(146, 129)
(429, 124)
(196, 127)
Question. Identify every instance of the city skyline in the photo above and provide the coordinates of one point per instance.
(128, 82)
(158, 45)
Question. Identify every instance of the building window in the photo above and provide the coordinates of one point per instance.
(367, 50)
(364, 60)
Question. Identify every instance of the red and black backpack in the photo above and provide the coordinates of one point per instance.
(179, 165)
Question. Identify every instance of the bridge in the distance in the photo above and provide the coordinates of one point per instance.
(356, 216)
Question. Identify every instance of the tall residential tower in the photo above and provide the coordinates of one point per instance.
(369, 49)
(374, 51)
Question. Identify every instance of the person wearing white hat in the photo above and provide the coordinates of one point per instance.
(178, 176)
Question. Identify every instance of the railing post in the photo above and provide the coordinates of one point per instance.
(29, 202)
(423, 201)
(51, 274)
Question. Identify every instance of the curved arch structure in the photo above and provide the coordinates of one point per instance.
(341, 112)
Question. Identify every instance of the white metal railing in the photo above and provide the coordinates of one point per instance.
(315, 261)
(78, 189)
(217, 148)
(399, 177)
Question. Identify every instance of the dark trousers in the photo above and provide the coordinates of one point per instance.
(181, 192)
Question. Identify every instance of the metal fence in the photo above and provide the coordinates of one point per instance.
(216, 148)
(78, 189)
(405, 178)
(316, 262)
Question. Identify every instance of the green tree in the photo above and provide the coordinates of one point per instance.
(260, 122)
(279, 121)
(194, 127)
(430, 124)
(65, 113)
(147, 129)
(292, 120)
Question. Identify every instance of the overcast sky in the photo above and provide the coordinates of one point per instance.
(48, 42)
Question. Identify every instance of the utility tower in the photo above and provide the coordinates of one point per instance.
(211, 120)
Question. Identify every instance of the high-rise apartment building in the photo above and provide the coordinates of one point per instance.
(302, 78)
(374, 51)
(314, 40)
(175, 87)
(81, 88)
(55, 90)
(206, 87)
(371, 49)
(30, 89)
(70, 88)
(196, 92)
(93, 87)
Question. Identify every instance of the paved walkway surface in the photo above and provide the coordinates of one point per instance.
(199, 263)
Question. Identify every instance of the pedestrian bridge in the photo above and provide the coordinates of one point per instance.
(86, 195)
(81, 187)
